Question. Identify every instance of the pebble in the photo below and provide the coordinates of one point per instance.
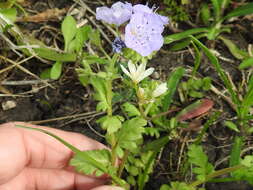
(8, 105)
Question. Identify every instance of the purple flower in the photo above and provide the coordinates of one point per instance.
(117, 14)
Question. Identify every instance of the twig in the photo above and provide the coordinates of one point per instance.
(23, 82)
(85, 6)
(88, 114)
(24, 69)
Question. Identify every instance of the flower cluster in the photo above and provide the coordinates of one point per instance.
(143, 33)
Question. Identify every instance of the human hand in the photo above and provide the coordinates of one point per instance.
(31, 160)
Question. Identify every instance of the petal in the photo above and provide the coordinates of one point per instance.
(131, 67)
(125, 71)
(145, 74)
(105, 14)
(156, 42)
(160, 89)
(142, 8)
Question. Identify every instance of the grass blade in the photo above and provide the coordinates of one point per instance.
(219, 69)
(172, 83)
(179, 36)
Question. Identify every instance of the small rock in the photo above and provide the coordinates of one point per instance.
(8, 105)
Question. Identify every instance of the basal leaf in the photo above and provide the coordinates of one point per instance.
(232, 126)
(240, 11)
(53, 55)
(56, 70)
(10, 13)
(205, 13)
(69, 30)
(246, 63)
(82, 35)
(216, 8)
(234, 50)
(172, 83)
(219, 69)
(179, 36)
(95, 38)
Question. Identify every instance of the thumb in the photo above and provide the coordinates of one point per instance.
(106, 187)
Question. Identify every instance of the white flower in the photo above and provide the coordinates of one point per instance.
(137, 73)
(160, 89)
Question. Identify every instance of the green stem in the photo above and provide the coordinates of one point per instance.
(148, 108)
(104, 52)
(122, 164)
(140, 101)
(216, 174)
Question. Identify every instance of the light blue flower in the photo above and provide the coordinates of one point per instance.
(118, 14)
(144, 31)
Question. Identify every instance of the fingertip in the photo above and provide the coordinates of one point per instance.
(106, 187)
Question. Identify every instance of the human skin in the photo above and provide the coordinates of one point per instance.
(31, 160)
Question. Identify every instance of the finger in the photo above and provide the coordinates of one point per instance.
(106, 187)
(23, 147)
(41, 179)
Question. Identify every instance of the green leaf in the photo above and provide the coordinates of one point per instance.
(82, 35)
(56, 71)
(197, 59)
(179, 36)
(101, 156)
(246, 63)
(235, 155)
(245, 173)
(100, 95)
(10, 13)
(165, 187)
(130, 133)
(69, 30)
(185, 42)
(234, 50)
(179, 186)
(53, 55)
(172, 83)
(247, 161)
(156, 144)
(240, 11)
(216, 8)
(232, 126)
(205, 13)
(45, 74)
(199, 159)
(111, 123)
(95, 38)
(130, 109)
(225, 4)
(219, 69)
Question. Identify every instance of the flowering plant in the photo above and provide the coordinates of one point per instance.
(140, 98)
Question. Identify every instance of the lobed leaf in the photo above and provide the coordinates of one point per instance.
(84, 166)
(130, 133)
(198, 158)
